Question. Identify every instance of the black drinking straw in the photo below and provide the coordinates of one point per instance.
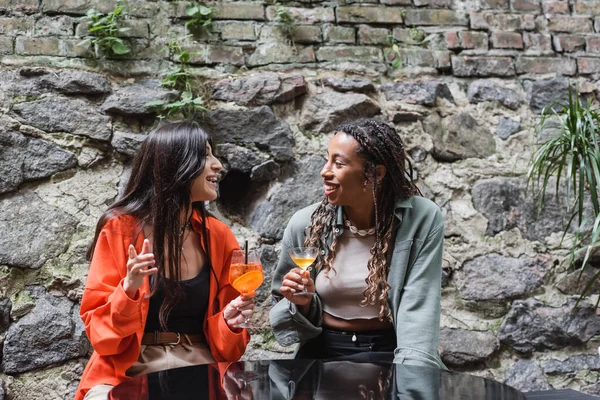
(246, 252)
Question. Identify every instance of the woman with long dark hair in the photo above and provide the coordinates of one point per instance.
(374, 289)
(157, 294)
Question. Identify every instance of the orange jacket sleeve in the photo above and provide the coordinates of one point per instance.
(227, 345)
(111, 318)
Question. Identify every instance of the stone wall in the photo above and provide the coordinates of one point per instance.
(465, 101)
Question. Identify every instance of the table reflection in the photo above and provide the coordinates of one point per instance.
(311, 379)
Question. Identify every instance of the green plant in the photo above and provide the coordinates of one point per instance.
(179, 78)
(201, 16)
(393, 53)
(574, 154)
(286, 23)
(105, 29)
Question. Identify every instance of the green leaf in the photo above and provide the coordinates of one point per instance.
(190, 11)
(120, 48)
(155, 103)
(206, 10)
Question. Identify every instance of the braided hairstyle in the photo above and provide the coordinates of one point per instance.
(379, 144)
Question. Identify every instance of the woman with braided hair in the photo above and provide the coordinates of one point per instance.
(374, 289)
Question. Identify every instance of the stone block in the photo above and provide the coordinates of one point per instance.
(396, 2)
(467, 40)
(588, 65)
(239, 10)
(304, 15)
(369, 15)
(502, 22)
(418, 57)
(41, 46)
(278, 53)
(75, 48)
(586, 7)
(568, 43)
(433, 3)
(77, 7)
(597, 24)
(546, 65)
(349, 53)
(147, 9)
(482, 66)
(307, 34)
(339, 34)
(537, 44)
(237, 31)
(216, 54)
(436, 17)
(369, 35)
(21, 6)
(16, 26)
(593, 44)
(555, 7)
(6, 45)
(525, 5)
(55, 26)
(570, 24)
(494, 4)
(507, 40)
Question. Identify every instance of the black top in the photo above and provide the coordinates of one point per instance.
(188, 315)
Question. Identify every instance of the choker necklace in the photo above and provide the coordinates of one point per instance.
(359, 232)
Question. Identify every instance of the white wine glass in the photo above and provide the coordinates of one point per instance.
(304, 257)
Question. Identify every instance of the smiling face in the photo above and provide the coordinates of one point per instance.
(205, 185)
(344, 174)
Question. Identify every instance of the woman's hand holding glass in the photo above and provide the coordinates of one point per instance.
(239, 310)
(297, 285)
(245, 275)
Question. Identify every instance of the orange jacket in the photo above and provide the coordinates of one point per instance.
(115, 323)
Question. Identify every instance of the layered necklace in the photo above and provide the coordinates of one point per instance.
(182, 230)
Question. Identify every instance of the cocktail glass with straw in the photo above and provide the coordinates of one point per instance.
(304, 257)
(246, 274)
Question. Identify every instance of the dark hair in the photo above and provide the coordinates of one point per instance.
(163, 171)
(379, 144)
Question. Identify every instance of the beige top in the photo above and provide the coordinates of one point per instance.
(342, 291)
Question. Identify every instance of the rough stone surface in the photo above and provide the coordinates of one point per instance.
(24, 159)
(37, 80)
(48, 114)
(575, 282)
(52, 332)
(5, 306)
(261, 128)
(133, 100)
(238, 158)
(261, 89)
(24, 218)
(532, 326)
(265, 172)
(461, 347)
(360, 85)
(506, 127)
(542, 93)
(506, 205)
(571, 364)
(323, 112)
(416, 92)
(271, 216)
(494, 90)
(526, 376)
(495, 277)
(458, 137)
(127, 143)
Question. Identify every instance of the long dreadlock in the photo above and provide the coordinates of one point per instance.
(379, 144)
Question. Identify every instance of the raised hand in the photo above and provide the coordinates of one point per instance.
(138, 266)
(295, 281)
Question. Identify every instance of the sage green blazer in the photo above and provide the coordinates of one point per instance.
(415, 279)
